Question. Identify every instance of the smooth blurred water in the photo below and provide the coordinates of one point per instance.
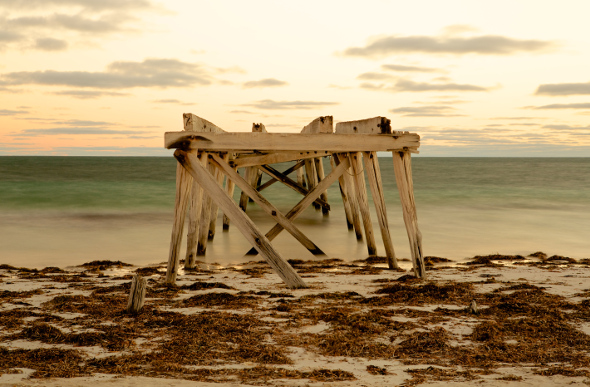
(58, 211)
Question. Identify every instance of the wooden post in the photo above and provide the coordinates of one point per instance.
(376, 185)
(229, 188)
(402, 164)
(205, 213)
(352, 196)
(136, 294)
(301, 178)
(361, 191)
(319, 167)
(240, 219)
(183, 184)
(344, 195)
(194, 218)
(214, 208)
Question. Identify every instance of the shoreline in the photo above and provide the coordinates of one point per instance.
(357, 323)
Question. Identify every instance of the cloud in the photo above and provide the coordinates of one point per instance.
(404, 85)
(8, 112)
(89, 94)
(426, 111)
(401, 68)
(563, 89)
(172, 101)
(158, 73)
(267, 82)
(482, 45)
(371, 76)
(585, 105)
(568, 128)
(86, 4)
(75, 130)
(9, 36)
(269, 104)
(50, 44)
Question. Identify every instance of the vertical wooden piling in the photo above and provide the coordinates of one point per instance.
(361, 191)
(183, 183)
(205, 213)
(319, 167)
(301, 178)
(402, 165)
(350, 190)
(344, 194)
(194, 219)
(229, 188)
(376, 185)
(214, 208)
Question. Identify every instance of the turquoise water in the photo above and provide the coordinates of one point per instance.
(62, 211)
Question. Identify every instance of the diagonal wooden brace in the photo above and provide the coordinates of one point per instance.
(191, 163)
(307, 200)
(266, 205)
(286, 172)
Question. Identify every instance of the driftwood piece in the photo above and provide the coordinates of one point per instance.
(306, 201)
(376, 184)
(136, 294)
(267, 207)
(361, 192)
(299, 142)
(376, 125)
(352, 195)
(240, 219)
(183, 184)
(402, 164)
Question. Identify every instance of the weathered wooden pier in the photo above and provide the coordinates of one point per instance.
(209, 156)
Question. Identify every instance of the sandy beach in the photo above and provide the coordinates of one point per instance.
(492, 321)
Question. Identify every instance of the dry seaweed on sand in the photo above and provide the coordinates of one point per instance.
(419, 294)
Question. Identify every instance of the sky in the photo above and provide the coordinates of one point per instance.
(472, 78)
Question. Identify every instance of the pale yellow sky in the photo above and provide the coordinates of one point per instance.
(473, 78)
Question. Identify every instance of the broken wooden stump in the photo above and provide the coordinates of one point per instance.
(136, 294)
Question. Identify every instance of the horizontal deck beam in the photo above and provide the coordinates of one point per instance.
(221, 142)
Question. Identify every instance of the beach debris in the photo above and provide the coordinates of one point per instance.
(473, 307)
(136, 294)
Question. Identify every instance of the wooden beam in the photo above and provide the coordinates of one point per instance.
(266, 206)
(320, 125)
(361, 192)
(375, 125)
(290, 183)
(191, 162)
(193, 123)
(274, 158)
(267, 142)
(306, 201)
(402, 166)
(376, 185)
(183, 183)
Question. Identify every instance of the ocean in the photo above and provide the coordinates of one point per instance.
(64, 211)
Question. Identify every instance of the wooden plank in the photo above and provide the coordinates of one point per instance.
(194, 218)
(183, 184)
(352, 196)
(274, 158)
(267, 142)
(286, 172)
(193, 123)
(290, 183)
(266, 206)
(403, 177)
(214, 209)
(361, 192)
(205, 213)
(306, 201)
(320, 125)
(240, 219)
(376, 185)
(344, 196)
(375, 125)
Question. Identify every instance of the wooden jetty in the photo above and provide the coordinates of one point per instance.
(209, 156)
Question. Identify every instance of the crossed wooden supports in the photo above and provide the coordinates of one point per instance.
(207, 155)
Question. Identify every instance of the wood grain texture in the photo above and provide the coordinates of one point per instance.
(363, 201)
(205, 213)
(194, 219)
(136, 294)
(375, 125)
(351, 194)
(194, 123)
(344, 195)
